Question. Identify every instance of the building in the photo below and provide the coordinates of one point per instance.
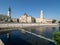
(30, 19)
(49, 20)
(23, 18)
(41, 19)
(6, 18)
(26, 19)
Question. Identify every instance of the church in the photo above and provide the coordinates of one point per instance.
(42, 19)
(6, 18)
(26, 19)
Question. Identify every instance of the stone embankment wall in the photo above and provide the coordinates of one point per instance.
(7, 25)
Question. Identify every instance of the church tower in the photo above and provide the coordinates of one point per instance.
(41, 14)
(9, 12)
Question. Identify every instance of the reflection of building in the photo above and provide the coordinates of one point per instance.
(41, 30)
(5, 18)
(26, 19)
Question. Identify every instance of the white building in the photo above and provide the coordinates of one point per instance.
(23, 18)
(42, 19)
(30, 19)
(26, 19)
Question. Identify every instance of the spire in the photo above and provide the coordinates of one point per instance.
(25, 14)
(41, 14)
(9, 9)
(9, 12)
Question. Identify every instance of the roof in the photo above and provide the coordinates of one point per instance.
(25, 14)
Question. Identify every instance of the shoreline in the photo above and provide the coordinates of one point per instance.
(26, 25)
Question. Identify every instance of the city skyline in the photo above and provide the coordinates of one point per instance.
(50, 8)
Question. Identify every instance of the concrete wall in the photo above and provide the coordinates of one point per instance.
(4, 25)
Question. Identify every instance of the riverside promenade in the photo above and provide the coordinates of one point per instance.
(20, 25)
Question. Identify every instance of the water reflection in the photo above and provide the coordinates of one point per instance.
(16, 37)
(44, 31)
(59, 28)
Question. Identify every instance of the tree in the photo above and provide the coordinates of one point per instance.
(11, 20)
(58, 21)
(34, 21)
(17, 20)
(53, 21)
(56, 38)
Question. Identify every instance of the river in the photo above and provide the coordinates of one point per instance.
(16, 38)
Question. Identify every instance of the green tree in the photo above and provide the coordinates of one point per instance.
(53, 21)
(58, 21)
(34, 21)
(56, 38)
(11, 20)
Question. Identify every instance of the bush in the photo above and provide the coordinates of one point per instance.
(56, 38)
(53, 21)
(58, 21)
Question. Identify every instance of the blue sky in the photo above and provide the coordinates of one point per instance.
(51, 8)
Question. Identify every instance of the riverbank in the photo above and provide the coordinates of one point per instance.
(23, 25)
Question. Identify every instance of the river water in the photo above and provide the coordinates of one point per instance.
(43, 30)
(16, 38)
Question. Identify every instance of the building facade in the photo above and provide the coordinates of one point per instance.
(23, 18)
(26, 19)
(15, 20)
(30, 19)
(41, 19)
